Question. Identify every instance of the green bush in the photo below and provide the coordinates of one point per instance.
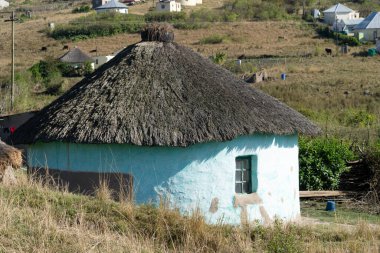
(165, 16)
(213, 39)
(190, 25)
(219, 58)
(325, 31)
(82, 9)
(322, 161)
(359, 118)
(97, 25)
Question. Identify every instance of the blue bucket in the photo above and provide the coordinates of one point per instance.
(283, 76)
(330, 206)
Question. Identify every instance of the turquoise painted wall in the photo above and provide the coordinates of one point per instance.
(192, 177)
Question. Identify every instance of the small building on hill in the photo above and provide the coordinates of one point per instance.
(369, 28)
(112, 6)
(188, 2)
(98, 3)
(168, 6)
(3, 4)
(346, 25)
(337, 12)
(175, 126)
(76, 58)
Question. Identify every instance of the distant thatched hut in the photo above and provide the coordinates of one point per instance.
(181, 127)
(10, 159)
(76, 58)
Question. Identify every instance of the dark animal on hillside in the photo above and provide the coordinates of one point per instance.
(328, 51)
(65, 47)
(44, 49)
(241, 57)
(94, 51)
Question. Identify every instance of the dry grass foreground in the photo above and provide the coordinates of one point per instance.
(36, 218)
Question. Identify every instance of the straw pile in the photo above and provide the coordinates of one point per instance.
(10, 159)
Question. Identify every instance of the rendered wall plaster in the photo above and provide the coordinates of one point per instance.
(190, 178)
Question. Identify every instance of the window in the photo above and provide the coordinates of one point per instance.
(246, 174)
(162, 6)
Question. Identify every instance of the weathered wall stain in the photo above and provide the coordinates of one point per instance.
(242, 200)
(246, 199)
(214, 205)
(265, 215)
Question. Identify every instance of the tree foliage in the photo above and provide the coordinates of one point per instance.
(322, 161)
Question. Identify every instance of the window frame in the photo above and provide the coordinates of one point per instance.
(244, 181)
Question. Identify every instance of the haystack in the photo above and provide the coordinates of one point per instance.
(10, 159)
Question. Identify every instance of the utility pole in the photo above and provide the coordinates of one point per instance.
(12, 19)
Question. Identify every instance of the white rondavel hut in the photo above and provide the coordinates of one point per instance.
(176, 127)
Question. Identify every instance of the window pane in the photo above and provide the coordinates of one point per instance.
(238, 164)
(238, 175)
(245, 164)
(238, 188)
(246, 188)
(246, 175)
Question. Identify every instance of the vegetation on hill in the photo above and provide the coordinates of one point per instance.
(40, 218)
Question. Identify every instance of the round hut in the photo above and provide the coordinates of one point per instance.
(178, 127)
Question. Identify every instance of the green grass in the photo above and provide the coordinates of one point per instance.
(345, 213)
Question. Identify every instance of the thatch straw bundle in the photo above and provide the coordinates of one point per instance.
(10, 159)
(157, 32)
(9, 156)
(156, 93)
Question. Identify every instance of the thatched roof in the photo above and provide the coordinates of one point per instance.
(161, 94)
(75, 55)
(9, 156)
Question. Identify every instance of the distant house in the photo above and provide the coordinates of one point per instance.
(3, 4)
(339, 11)
(188, 2)
(98, 3)
(76, 58)
(346, 25)
(369, 28)
(113, 6)
(315, 13)
(168, 6)
(100, 60)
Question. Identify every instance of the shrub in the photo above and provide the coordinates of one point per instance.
(190, 25)
(213, 39)
(359, 118)
(165, 16)
(219, 58)
(82, 9)
(322, 161)
(91, 26)
(325, 31)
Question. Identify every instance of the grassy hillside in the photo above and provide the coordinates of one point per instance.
(36, 218)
